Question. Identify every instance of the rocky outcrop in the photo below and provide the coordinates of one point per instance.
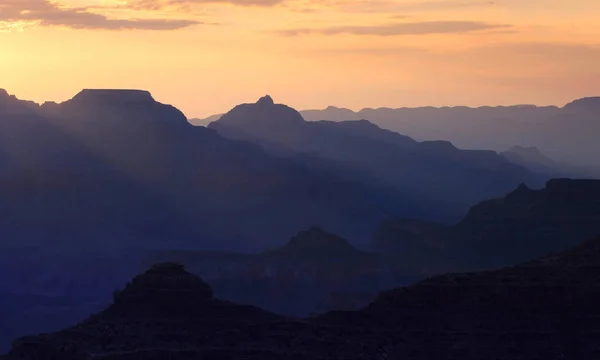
(165, 311)
(297, 278)
(522, 225)
(169, 313)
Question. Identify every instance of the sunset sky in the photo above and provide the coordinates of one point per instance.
(205, 56)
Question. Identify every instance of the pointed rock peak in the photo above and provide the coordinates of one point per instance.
(264, 114)
(3, 93)
(522, 192)
(165, 281)
(113, 96)
(265, 100)
(316, 240)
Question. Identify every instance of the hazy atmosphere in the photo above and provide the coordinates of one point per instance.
(299, 180)
(205, 56)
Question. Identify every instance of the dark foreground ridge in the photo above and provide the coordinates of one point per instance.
(543, 309)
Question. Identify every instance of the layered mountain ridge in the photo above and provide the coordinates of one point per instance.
(159, 173)
(109, 173)
(496, 128)
(435, 172)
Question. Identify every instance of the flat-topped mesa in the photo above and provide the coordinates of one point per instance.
(439, 145)
(113, 96)
(116, 108)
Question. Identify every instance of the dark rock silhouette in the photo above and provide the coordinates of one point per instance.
(316, 241)
(164, 311)
(522, 225)
(540, 309)
(435, 174)
(585, 104)
(546, 308)
(301, 277)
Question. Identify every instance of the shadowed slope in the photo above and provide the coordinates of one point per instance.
(115, 172)
(504, 231)
(435, 174)
(120, 165)
(543, 309)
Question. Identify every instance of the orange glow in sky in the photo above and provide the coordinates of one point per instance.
(205, 56)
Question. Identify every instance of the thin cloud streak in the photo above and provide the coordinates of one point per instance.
(161, 4)
(388, 6)
(46, 13)
(412, 28)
